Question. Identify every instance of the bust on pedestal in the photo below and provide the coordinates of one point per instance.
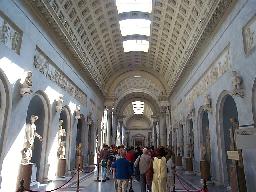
(79, 156)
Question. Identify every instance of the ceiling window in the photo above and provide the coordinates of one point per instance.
(134, 5)
(135, 26)
(135, 45)
(138, 107)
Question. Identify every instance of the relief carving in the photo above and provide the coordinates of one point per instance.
(26, 84)
(237, 84)
(48, 69)
(249, 35)
(10, 35)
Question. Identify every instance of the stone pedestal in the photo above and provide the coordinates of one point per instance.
(237, 179)
(25, 174)
(79, 161)
(61, 168)
(189, 164)
(205, 170)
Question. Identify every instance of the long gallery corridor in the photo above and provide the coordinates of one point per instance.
(162, 92)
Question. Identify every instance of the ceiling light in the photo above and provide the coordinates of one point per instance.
(135, 26)
(136, 45)
(134, 5)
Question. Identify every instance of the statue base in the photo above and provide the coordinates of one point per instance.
(61, 168)
(79, 161)
(25, 174)
(189, 164)
(205, 170)
(237, 178)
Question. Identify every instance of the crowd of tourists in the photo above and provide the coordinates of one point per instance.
(153, 168)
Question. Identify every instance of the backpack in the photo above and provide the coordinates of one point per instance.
(104, 163)
(137, 171)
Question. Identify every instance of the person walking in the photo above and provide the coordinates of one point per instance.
(144, 162)
(122, 171)
(104, 154)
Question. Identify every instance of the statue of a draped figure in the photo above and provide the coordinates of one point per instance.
(30, 134)
(61, 141)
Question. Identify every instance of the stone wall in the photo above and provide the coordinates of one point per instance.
(28, 45)
(231, 47)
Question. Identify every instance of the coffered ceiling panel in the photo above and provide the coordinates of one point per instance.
(90, 29)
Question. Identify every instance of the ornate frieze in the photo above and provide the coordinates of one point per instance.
(249, 35)
(220, 66)
(51, 72)
(10, 34)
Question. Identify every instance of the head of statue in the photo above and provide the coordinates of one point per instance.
(33, 118)
(29, 74)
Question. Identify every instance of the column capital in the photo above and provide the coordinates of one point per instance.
(109, 102)
(155, 118)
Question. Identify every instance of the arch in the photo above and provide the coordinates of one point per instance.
(5, 109)
(39, 105)
(227, 110)
(65, 115)
(254, 101)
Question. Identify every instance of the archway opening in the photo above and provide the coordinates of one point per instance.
(36, 107)
(234, 169)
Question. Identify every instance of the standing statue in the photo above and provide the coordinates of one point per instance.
(30, 134)
(237, 82)
(61, 141)
(26, 84)
(203, 152)
(59, 103)
(79, 149)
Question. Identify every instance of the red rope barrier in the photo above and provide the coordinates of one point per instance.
(56, 188)
(188, 190)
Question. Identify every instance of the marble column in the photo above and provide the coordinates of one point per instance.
(109, 126)
(114, 128)
(168, 125)
(163, 128)
(155, 131)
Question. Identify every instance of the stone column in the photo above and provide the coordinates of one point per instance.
(121, 131)
(155, 132)
(163, 128)
(168, 125)
(109, 125)
(114, 127)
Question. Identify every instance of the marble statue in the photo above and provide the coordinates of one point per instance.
(237, 82)
(62, 150)
(26, 85)
(203, 152)
(59, 104)
(77, 113)
(79, 149)
(30, 134)
(61, 140)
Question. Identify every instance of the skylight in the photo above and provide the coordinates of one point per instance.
(134, 5)
(135, 26)
(136, 45)
(138, 107)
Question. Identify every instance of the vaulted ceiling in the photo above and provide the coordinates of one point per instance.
(90, 30)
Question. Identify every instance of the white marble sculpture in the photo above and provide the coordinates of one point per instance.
(30, 134)
(59, 104)
(237, 82)
(26, 84)
(61, 141)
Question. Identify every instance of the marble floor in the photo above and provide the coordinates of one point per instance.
(88, 184)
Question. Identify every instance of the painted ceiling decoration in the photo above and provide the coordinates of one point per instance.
(90, 30)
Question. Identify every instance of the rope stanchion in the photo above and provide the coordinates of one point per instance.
(22, 189)
(77, 186)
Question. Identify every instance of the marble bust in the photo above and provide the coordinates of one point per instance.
(26, 84)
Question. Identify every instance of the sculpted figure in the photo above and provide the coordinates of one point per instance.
(30, 134)
(59, 103)
(26, 84)
(203, 152)
(237, 84)
(79, 149)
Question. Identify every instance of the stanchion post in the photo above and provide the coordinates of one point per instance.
(174, 174)
(205, 188)
(78, 170)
